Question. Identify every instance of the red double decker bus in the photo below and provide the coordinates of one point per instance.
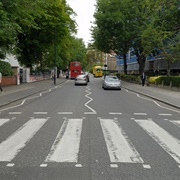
(74, 69)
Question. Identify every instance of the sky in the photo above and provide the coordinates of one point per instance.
(84, 10)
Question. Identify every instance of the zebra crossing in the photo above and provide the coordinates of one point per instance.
(66, 145)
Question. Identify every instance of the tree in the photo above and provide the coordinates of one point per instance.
(120, 25)
(54, 27)
(162, 32)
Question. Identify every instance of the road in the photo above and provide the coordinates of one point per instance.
(87, 133)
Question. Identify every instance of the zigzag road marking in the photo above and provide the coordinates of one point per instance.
(90, 99)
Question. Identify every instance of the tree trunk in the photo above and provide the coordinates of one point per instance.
(169, 67)
(125, 63)
(141, 61)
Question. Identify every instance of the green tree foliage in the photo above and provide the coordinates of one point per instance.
(33, 30)
(5, 68)
(141, 24)
(54, 27)
(77, 51)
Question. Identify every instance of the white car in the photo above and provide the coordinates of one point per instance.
(111, 82)
(81, 80)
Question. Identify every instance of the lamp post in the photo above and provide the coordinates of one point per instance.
(55, 56)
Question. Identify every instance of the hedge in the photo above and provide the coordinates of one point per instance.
(5, 68)
(165, 80)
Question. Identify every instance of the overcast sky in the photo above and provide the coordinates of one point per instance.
(84, 10)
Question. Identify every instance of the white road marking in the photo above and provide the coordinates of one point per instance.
(146, 166)
(65, 112)
(148, 99)
(90, 99)
(114, 165)
(176, 122)
(66, 145)
(165, 114)
(12, 145)
(10, 165)
(141, 114)
(24, 100)
(119, 146)
(43, 165)
(3, 121)
(78, 165)
(115, 113)
(40, 113)
(15, 112)
(168, 142)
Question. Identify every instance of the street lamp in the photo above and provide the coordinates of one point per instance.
(55, 56)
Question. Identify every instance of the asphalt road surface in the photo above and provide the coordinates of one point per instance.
(87, 133)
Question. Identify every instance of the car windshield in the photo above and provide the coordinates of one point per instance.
(112, 78)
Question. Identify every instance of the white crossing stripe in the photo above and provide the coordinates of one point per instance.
(119, 147)
(168, 142)
(176, 122)
(12, 145)
(67, 142)
(3, 121)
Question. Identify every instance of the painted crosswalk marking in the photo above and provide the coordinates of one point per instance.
(12, 145)
(168, 142)
(119, 147)
(176, 122)
(3, 121)
(67, 142)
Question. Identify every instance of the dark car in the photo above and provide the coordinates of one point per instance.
(111, 82)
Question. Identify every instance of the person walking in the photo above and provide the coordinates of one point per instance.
(143, 78)
(1, 82)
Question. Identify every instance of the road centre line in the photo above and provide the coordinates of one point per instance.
(90, 99)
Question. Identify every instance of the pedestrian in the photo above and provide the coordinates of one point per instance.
(1, 82)
(143, 78)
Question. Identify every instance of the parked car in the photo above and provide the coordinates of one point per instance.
(111, 82)
(81, 80)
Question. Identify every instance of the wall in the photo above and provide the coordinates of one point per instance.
(9, 80)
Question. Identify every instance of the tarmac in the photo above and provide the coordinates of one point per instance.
(19, 92)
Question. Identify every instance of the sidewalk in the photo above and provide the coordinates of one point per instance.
(18, 92)
(166, 96)
(14, 93)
